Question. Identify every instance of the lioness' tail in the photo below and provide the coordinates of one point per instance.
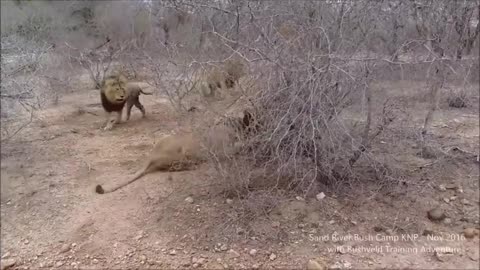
(100, 190)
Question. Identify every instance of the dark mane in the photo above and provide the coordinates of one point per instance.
(110, 107)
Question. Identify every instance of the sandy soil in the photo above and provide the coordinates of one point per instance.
(51, 216)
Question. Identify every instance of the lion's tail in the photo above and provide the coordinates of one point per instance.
(145, 93)
(101, 190)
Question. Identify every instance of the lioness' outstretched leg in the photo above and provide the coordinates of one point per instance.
(146, 169)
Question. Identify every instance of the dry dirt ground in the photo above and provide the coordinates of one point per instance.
(51, 217)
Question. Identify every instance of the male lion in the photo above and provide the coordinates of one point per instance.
(115, 93)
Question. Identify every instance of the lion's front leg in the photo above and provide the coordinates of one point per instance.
(119, 117)
(108, 122)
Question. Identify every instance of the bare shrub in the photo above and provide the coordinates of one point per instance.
(122, 21)
(313, 65)
(235, 69)
(25, 89)
(457, 99)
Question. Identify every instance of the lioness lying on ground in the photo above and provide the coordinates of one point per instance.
(176, 152)
(172, 152)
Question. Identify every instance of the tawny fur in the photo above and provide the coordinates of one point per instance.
(178, 152)
(222, 78)
(133, 98)
(116, 91)
(173, 152)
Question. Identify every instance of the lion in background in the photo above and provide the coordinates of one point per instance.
(115, 92)
(222, 78)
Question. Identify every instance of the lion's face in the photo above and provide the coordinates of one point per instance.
(115, 89)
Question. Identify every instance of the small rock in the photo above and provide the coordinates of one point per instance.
(229, 201)
(447, 200)
(442, 256)
(201, 261)
(189, 200)
(195, 265)
(442, 187)
(223, 247)
(233, 253)
(59, 263)
(26, 242)
(315, 265)
(299, 198)
(143, 258)
(470, 232)
(74, 244)
(341, 265)
(172, 252)
(453, 198)
(95, 261)
(451, 186)
(240, 231)
(436, 214)
(320, 196)
(64, 248)
(252, 252)
(6, 255)
(7, 263)
(276, 224)
(331, 222)
(466, 202)
(272, 257)
(447, 221)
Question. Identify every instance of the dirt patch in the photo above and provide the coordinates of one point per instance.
(51, 216)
